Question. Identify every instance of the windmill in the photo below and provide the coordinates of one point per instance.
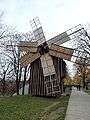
(46, 59)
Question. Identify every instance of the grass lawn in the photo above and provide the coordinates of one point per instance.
(88, 91)
(33, 108)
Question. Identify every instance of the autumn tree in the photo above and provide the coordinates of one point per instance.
(82, 44)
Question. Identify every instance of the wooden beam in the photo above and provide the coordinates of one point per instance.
(29, 58)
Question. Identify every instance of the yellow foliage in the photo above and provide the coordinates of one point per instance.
(70, 82)
(67, 81)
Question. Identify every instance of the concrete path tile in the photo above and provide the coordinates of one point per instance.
(78, 106)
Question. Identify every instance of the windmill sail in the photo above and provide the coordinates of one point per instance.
(62, 52)
(47, 64)
(59, 39)
(39, 35)
(37, 30)
(28, 46)
(27, 43)
(28, 58)
(46, 60)
(70, 34)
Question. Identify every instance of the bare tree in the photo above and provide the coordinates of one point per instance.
(8, 41)
(15, 56)
(5, 62)
(6, 71)
(8, 46)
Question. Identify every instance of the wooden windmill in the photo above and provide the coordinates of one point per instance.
(46, 60)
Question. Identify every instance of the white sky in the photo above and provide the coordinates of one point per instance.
(56, 16)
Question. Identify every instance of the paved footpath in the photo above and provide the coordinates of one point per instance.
(78, 106)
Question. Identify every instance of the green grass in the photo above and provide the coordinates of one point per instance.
(88, 91)
(33, 108)
(57, 110)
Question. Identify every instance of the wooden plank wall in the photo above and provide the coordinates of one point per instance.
(37, 78)
(57, 65)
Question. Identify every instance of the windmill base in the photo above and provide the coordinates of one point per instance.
(41, 87)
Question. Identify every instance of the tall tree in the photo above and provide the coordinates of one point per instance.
(8, 45)
(83, 51)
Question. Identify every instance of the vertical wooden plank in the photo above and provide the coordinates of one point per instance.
(23, 88)
(29, 89)
(37, 78)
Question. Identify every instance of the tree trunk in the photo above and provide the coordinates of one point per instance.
(83, 80)
(83, 77)
(17, 84)
(18, 71)
(3, 84)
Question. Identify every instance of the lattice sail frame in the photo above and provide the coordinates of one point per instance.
(46, 60)
(37, 30)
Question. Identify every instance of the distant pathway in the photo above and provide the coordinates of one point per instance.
(78, 106)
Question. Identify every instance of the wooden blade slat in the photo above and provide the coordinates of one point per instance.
(28, 46)
(39, 35)
(62, 52)
(60, 39)
(28, 49)
(27, 43)
(47, 64)
(29, 58)
(37, 30)
(70, 34)
(60, 55)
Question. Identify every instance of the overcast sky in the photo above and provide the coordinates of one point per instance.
(56, 16)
